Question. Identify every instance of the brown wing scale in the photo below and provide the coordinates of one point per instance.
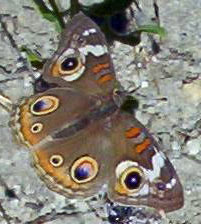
(142, 174)
(82, 59)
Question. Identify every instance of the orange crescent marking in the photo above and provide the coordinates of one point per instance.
(105, 78)
(133, 132)
(120, 189)
(96, 69)
(55, 70)
(143, 146)
(25, 122)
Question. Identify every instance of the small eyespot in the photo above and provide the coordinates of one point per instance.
(56, 160)
(84, 170)
(132, 179)
(36, 128)
(44, 105)
(161, 186)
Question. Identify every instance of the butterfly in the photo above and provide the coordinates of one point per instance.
(79, 138)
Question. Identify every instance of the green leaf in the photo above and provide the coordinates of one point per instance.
(35, 60)
(153, 29)
(49, 14)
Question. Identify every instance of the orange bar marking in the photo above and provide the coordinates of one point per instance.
(143, 146)
(133, 132)
(96, 69)
(105, 79)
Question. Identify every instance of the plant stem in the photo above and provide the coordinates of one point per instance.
(57, 13)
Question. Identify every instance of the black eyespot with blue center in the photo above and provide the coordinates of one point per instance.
(44, 105)
(133, 180)
(39, 106)
(84, 170)
(161, 186)
(69, 64)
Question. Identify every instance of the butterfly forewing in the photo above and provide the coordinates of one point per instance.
(43, 114)
(82, 59)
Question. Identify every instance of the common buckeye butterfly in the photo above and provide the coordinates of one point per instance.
(79, 138)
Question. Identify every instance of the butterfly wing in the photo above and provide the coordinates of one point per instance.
(68, 133)
(142, 174)
(75, 166)
(42, 114)
(79, 143)
(82, 59)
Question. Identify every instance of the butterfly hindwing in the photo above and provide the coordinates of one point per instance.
(142, 174)
(75, 160)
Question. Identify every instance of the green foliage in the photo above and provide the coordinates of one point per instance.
(35, 60)
(154, 29)
(108, 7)
(53, 15)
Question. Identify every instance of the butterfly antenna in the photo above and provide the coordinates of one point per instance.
(5, 102)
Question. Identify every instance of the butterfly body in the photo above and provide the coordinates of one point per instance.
(80, 139)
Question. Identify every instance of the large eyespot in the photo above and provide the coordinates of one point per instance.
(56, 160)
(36, 128)
(44, 105)
(70, 66)
(84, 170)
(132, 179)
